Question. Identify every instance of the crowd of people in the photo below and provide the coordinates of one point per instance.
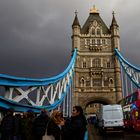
(28, 126)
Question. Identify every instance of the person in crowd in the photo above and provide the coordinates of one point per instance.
(17, 127)
(40, 124)
(27, 124)
(24, 125)
(75, 127)
(55, 124)
(7, 126)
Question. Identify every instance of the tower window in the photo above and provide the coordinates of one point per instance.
(98, 41)
(93, 31)
(84, 65)
(82, 82)
(109, 41)
(98, 32)
(93, 41)
(96, 63)
(87, 83)
(88, 42)
(108, 65)
(103, 41)
(111, 81)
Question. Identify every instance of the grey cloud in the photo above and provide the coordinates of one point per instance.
(35, 35)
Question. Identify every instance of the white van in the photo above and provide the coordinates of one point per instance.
(111, 118)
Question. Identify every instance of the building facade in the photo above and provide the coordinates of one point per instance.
(97, 71)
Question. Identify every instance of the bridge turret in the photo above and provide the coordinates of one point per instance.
(76, 28)
(115, 39)
(114, 28)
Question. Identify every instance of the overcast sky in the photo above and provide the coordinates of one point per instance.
(35, 35)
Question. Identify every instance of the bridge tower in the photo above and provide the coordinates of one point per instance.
(97, 70)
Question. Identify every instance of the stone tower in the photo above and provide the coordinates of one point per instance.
(97, 70)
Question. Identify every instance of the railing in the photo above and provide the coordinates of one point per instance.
(132, 71)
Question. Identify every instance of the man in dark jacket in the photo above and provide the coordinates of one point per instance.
(39, 125)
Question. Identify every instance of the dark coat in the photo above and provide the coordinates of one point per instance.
(7, 127)
(74, 129)
(17, 127)
(54, 129)
(27, 129)
(39, 125)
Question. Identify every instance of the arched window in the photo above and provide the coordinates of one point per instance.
(98, 41)
(98, 32)
(88, 42)
(93, 31)
(108, 65)
(82, 82)
(103, 41)
(88, 83)
(97, 62)
(84, 64)
(111, 81)
(93, 41)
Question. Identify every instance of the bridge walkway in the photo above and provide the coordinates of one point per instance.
(93, 133)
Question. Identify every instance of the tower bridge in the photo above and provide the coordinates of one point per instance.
(97, 73)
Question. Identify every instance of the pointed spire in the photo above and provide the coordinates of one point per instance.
(76, 21)
(114, 23)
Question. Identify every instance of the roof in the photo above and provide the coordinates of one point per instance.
(94, 16)
(114, 22)
(76, 21)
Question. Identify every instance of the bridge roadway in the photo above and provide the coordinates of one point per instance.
(92, 133)
(127, 135)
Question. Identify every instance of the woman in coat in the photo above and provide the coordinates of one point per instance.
(54, 125)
